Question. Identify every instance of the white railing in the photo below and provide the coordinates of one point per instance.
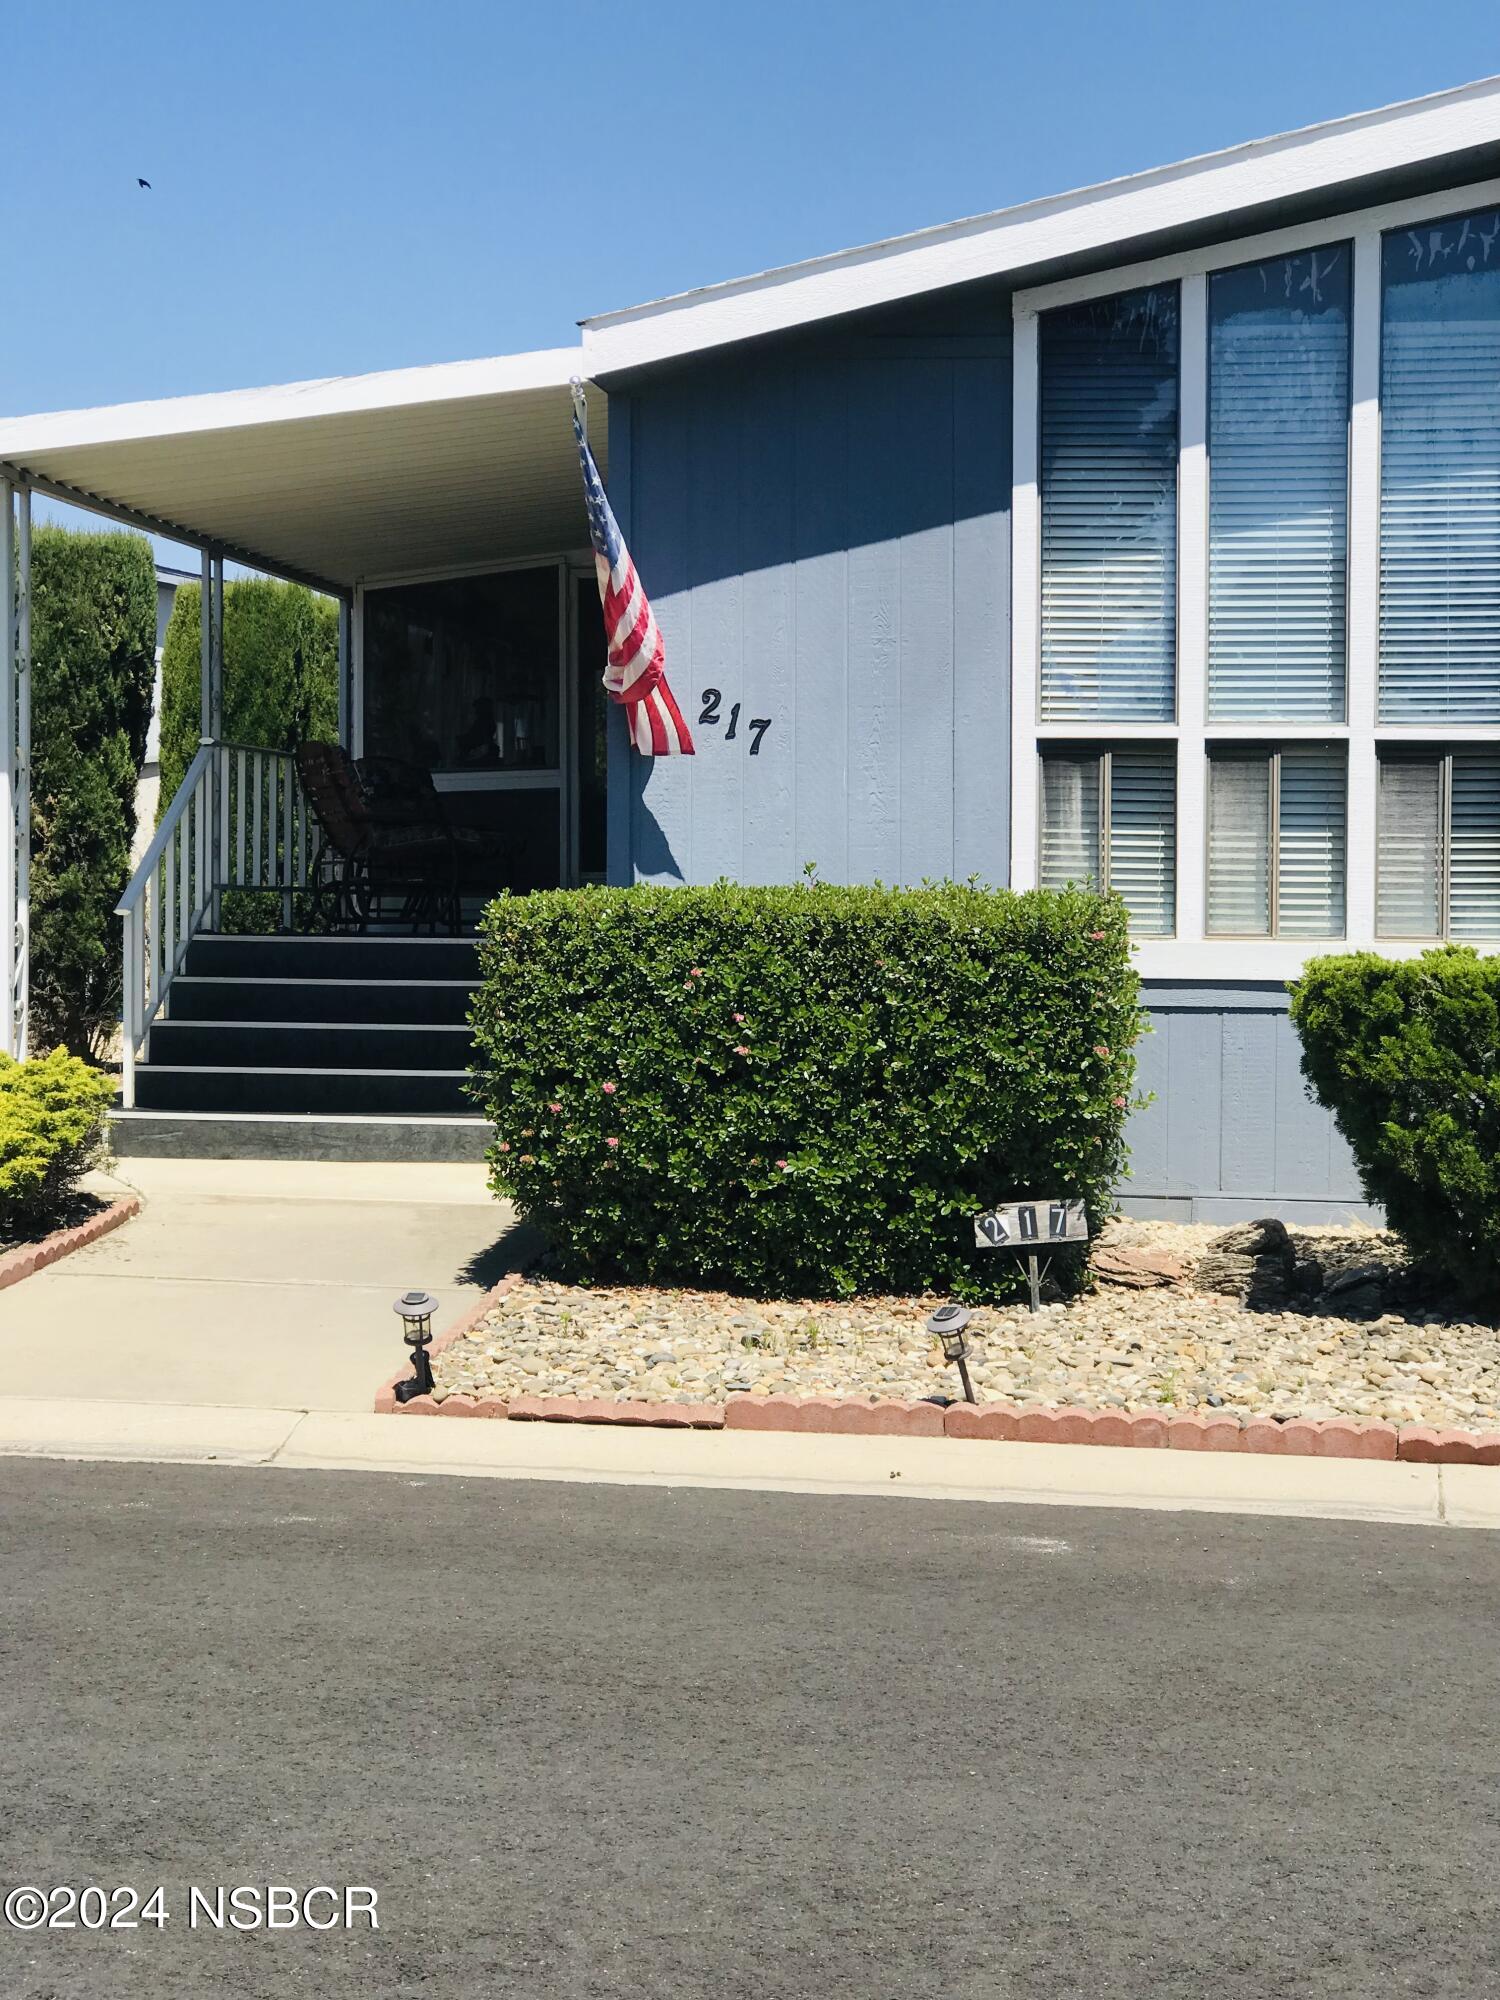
(239, 820)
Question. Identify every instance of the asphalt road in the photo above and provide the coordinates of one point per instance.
(608, 1741)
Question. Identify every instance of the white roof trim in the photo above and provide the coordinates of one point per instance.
(1089, 219)
(22, 438)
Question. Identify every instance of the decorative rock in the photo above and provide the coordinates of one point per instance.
(1139, 1269)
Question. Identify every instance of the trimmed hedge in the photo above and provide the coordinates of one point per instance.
(1406, 1055)
(93, 663)
(51, 1130)
(280, 672)
(809, 1090)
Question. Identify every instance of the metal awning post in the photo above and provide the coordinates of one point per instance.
(23, 774)
(206, 651)
(218, 782)
(8, 843)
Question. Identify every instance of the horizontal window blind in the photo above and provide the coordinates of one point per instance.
(1440, 472)
(1108, 446)
(1409, 847)
(1239, 846)
(1474, 846)
(1312, 796)
(1278, 488)
(1109, 818)
(1277, 840)
(1143, 837)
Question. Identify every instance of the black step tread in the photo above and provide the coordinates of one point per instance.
(401, 1002)
(342, 957)
(260, 1135)
(437, 1047)
(241, 1087)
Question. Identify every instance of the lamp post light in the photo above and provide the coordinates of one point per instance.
(948, 1323)
(416, 1310)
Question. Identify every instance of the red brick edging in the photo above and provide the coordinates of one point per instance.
(1301, 1437)
(28, 1257)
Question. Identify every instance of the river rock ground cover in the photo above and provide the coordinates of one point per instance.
(1343, 1349)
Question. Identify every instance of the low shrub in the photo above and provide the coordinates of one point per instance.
(1406, 1055)
(805, 1090)
(51, 1128)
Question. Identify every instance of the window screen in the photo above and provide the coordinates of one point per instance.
(1440, 472)
(1108, 377)
(1278, 508)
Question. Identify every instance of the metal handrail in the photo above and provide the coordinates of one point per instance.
(238, 820)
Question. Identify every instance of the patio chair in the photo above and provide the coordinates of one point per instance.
(377, 840)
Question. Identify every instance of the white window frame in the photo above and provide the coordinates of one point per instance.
(1192, 953)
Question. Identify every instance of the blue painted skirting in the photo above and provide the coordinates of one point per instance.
(1232, 1132)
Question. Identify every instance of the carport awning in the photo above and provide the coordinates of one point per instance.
(346, 480)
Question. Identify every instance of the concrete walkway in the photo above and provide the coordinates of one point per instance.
(254, 1283)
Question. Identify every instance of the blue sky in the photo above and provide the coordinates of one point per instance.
(339, 186)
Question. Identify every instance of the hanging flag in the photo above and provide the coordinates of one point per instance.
(635, 670)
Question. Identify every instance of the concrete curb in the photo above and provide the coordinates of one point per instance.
(29, 1257)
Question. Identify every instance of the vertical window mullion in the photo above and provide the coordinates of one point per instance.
(1105, 773)
(1273, 886)
(1445, 847)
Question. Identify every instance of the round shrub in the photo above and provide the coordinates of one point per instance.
(51, 1129)
(1406, 1055)
(806, 1090)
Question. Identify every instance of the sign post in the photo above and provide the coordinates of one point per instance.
(1028, 1226)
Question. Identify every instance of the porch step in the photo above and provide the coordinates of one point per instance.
(221, 997)
(302, 1045)
(213, 1135)
(377, 956)
(306, 1038)
(253, 1087)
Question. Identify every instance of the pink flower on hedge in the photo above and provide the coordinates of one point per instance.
(1118, 1103)
(739, 1018)
(611, 1143)
(695, 972)
(1100, 1050)
(528, 1159)
(554, 1107)
(783, 1166)
(504, 1146)
(1096, 936)
(740, 1049)
(609, 1089)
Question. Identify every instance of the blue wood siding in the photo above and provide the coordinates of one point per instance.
(825, 537)
(1232, 1131)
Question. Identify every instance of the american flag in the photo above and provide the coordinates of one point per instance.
(635, 671)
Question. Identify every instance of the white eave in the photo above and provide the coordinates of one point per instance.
(1294, 165)
(342, 480)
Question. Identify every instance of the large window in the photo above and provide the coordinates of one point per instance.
(1278, 431)
(1439, 841)
(1109, 508)
(1440, 472)
(1276, 835)
(1109, 819)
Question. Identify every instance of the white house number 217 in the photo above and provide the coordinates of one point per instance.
(755, 728)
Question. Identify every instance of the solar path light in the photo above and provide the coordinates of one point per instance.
(948, 1323)
(416, 1310)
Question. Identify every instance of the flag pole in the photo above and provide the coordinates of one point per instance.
(580, 405)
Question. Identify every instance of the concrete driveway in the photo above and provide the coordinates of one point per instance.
(255, 1282)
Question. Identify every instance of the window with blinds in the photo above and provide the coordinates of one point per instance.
(1109, 819)
(1278, 495)
(1440, 472)
(1438, 844)
(1108, 447)
(1276, 841)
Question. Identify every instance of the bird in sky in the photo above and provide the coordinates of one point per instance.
(140, 183)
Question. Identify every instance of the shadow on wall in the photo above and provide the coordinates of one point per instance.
(824, 532)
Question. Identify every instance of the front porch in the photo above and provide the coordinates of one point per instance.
(283, 995)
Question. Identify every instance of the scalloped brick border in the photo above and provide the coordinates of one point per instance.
(29, 1257)
(1302, 1437)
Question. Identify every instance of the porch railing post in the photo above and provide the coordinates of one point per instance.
(8, 765)
(23, 774)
